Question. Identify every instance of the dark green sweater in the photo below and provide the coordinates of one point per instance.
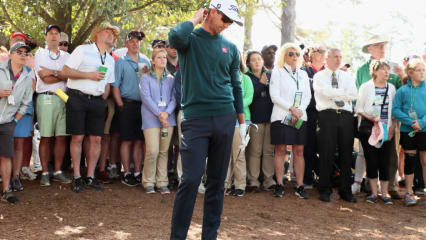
(211, 84)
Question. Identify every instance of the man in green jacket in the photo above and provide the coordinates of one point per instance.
(376, 47)
(211, 102)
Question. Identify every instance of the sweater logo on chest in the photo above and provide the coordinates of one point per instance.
(224, 49)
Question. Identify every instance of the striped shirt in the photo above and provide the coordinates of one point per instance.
(380, 94)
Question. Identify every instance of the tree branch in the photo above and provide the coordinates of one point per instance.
(81, 33)
(139, 7)
(84, 33)
(8, 17)
(44, 14)
(82, 5)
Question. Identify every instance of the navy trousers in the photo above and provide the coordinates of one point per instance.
(203, 138)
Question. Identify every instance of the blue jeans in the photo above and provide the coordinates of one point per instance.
(203, 138)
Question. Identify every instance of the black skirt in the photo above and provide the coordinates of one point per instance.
(283, 134)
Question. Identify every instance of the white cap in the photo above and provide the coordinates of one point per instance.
(229, 8)
(64, 37)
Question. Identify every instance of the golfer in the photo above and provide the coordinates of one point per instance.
(211, 101)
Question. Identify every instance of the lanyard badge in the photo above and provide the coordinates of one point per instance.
(297, 99)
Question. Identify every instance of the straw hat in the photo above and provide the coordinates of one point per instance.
(102, 26)
(373, 40)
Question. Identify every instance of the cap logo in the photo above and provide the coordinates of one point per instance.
(234, 8)
(218, 6)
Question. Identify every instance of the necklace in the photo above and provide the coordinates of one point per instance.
(54, 58)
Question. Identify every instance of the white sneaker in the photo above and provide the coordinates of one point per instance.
(201, 188)
(356, 188)
(27, 174)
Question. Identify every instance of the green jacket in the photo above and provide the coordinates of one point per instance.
(248, 92)
(210, 67)
(363, 75)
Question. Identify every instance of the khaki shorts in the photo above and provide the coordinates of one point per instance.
(51, 115)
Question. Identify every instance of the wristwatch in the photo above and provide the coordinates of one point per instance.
(15, 120)
(55, 73)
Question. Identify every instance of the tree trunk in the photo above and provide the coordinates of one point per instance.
(288, 21)
(248, 23)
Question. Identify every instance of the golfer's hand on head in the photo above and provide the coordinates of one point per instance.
(199, 16)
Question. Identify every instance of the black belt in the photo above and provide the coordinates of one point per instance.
(127, 100)
(337, 111)
(83, 94)
(47, 93)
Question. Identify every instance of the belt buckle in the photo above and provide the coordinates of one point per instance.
(338, 111)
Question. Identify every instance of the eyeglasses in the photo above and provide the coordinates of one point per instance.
(65, 44)
(291, 54)
(22, 53)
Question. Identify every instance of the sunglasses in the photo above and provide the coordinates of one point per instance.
(225, 19)
(22, 53)
(291, 54)
(65, 44)
(160, 46)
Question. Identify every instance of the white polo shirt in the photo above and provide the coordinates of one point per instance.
(87, 58)
(49, 60)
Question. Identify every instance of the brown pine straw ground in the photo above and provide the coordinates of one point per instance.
(123, 212)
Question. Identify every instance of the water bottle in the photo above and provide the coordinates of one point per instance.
(164, 133)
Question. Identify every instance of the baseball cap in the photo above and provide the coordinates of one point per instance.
(19, 45)
(135, 34)
(18, 34)
(64, 37)
(274, 47)
(48, 28)
(157, 41)
(229, 8)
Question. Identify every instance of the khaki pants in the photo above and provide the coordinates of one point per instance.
(260, 150)
(179, 160)
(155, 164)
(238, 163)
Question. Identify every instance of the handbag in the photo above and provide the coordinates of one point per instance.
(366, 125)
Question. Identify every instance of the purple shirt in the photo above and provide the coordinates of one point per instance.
(152, 94)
